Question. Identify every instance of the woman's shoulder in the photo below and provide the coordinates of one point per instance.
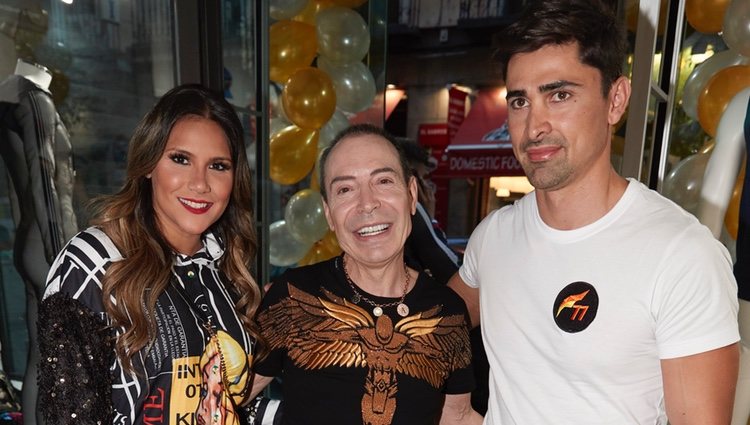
(94, 245)
(83, 260)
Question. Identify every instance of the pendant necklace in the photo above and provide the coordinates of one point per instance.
(377, 309)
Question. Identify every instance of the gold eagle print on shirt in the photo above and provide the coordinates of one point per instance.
(320, 332)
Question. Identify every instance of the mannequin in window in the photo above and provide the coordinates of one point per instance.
(36, 150)
(732, 139)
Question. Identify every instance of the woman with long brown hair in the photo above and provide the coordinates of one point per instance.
(133, 302)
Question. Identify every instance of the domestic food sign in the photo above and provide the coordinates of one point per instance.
(492, 156)
(477, 161)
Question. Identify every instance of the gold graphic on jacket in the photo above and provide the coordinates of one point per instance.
(225, 371)
(570, 302)
(319, 333)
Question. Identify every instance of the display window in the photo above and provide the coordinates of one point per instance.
(76, 77)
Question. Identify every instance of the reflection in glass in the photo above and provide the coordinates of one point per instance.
(109, 62)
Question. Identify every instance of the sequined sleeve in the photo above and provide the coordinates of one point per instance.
(76, 351)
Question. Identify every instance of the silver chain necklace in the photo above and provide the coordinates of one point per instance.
(377, 309)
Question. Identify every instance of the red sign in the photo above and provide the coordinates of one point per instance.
(433, 135)
(456, 110)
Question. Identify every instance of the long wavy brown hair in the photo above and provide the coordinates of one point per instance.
(128, 218)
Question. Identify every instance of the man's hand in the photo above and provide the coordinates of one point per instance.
(457, 410)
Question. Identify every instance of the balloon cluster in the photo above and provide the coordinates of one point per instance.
(315, 54)
(709, 88)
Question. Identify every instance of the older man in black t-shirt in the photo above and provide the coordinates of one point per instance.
(363, 337)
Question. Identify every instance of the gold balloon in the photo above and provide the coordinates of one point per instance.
(292, 45)
(318, 252)
(732, 217)
(332, 242)
(292, 154)
(308, 98)
(706, 16)
(314, 255)
(719, 90)
(310, 11)
(350, 3)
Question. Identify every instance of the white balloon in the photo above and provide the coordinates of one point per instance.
(305, 217)
(284, 249)
(343, 35)
(334, 126)
(683, 183)
(736, 29)
(354, 84)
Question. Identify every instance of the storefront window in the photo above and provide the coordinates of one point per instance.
(109, 62)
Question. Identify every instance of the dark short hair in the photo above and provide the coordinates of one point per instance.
(361, 130)
(592, 24)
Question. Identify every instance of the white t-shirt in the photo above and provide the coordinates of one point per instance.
(575, 322)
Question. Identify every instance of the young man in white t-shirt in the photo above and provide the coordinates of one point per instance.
(601, 302)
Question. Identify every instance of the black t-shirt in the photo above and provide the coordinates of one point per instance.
(339, 364)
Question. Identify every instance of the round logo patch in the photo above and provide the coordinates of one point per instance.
(575, 307)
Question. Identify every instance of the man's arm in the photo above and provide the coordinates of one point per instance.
(259, 382)
(470, 296)
(457, 410)
(699, 389)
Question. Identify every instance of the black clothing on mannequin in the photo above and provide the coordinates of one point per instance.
(37, 152)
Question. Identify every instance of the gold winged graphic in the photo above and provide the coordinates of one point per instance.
(320, 332)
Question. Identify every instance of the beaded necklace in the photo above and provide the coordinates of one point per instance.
(377, 309)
